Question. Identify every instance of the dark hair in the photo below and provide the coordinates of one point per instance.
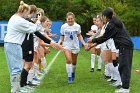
(108, 12)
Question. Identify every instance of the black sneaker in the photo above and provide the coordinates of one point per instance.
(112, 81)
(99, 70)
(119, 86)
(92, 70)
(31, 84)
(107, 77)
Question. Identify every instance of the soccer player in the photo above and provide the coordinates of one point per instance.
(95, 50)
(70, 32)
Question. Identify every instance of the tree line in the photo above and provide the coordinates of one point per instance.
(126, 10)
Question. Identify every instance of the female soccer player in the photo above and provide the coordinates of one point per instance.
(70, 32)
(95, 50)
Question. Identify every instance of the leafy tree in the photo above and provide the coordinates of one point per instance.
(127, 10)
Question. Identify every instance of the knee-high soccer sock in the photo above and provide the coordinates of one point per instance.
(115, 63)
(99, 62)
(30, 75)
(44, 64)
(117, 74)
(112, 69)
(40, 65)
(24, 75)
(107, 70)
(92, 60)
(69, 69)
(36, 69)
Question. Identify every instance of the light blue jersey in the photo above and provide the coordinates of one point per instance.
(70, 35)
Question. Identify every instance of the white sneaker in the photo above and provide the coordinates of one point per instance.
(36, 82)
(122, 90)
(24, 90)
(117, 83)
(15, 83)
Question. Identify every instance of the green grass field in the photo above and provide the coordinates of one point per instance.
(85, 81)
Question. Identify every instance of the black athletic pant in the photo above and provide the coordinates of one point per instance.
(125, 63)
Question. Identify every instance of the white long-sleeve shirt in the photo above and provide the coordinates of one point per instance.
(17, 29)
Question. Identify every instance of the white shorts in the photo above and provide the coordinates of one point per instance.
(104, 46)
(98, 46)
(74, 51)
(36, 44)
(117, 51)
(111, 45)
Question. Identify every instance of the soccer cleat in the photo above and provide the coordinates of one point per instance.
(69, 80)
(73, 76)
(29, 87)
(35, 82)
(107, 77)
(122, 90)
(31, 84)
(35, 78)
(92, 70)
(117, 84)
(99, 70)
(111, 81)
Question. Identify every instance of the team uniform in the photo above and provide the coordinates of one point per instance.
(70, 33)
(71, 43)
(110, 69)
(95, 28)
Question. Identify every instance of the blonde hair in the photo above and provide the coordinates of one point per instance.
(43, 19)
(40, 10)
(70, 13)
(23, 7)
(33, 8)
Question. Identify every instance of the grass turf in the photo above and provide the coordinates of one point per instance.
(85, 81)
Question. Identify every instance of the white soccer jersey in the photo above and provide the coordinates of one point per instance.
(70, 35)
(102, 31)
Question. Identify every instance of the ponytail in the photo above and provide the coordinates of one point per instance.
(23, 7)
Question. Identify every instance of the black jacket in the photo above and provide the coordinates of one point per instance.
(119, 35)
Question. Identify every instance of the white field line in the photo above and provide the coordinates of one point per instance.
(52, 61)
(48, 67)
